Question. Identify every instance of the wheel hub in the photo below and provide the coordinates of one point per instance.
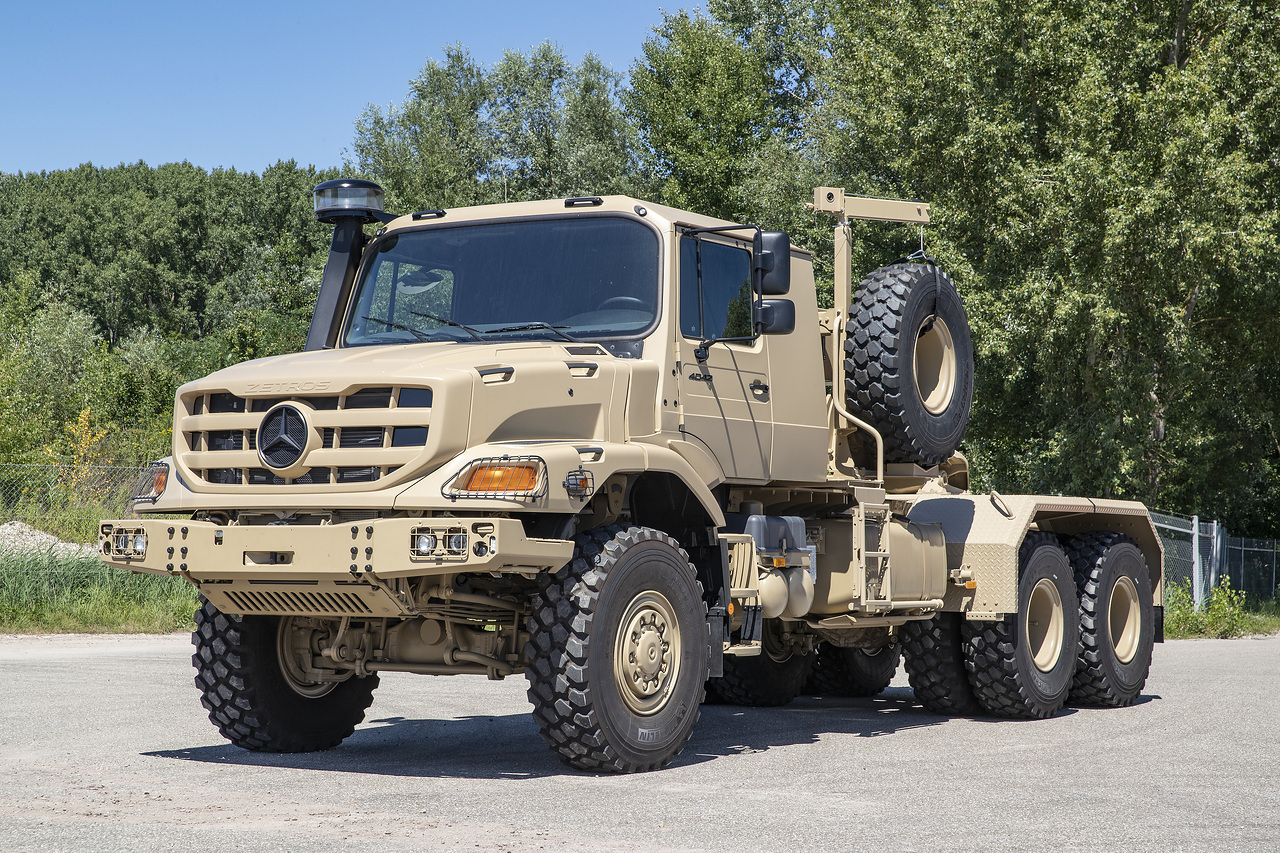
(935, 365)
(1124, 619)
(647, 654)
(297, 647)
(1044, 625)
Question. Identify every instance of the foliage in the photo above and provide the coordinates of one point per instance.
(44, 592)
(533, 126)
(1102, 178)
(1226, 614)
(119, 284)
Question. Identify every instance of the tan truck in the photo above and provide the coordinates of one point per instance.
(619, 447)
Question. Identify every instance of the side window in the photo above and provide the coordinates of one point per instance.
(726, 290)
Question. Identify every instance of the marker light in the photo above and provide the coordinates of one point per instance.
(518, 477)
(151, 484)
(347, 197)
(502, 478)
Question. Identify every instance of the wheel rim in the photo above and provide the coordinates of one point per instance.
(935, 365)
(1124, 619)
(1044, 625)
(293, 646)
(646, 659)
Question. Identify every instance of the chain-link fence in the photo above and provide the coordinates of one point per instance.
(1251, 566)
(1201, 554)
(44, 504)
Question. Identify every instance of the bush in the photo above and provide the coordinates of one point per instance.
(1223, 616)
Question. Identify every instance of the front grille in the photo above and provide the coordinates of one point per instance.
(368, 398)
(224, 439)
(394, 431)
(361, 437)
(224, 403)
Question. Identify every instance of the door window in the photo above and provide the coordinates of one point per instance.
(725, 293)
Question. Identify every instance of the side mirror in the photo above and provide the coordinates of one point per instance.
(771, 259)
(777, 317)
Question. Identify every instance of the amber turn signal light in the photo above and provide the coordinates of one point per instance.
(502, 478)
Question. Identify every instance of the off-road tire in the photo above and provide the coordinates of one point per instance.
(576, 645)
(933, 652)
(766, 680)
(1117, 619)
(1023, 665)
(889, 316)
(852, 672)
(248, 699)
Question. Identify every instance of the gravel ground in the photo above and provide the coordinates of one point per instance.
(103, 746)
(20, 537)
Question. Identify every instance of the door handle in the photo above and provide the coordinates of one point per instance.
(760, 387)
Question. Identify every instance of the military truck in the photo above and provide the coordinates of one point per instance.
(619, 447)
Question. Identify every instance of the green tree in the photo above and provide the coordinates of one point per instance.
(532, 126)
(1102, 178)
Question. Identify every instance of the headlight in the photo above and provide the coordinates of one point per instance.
(151, 484)
(426, 543)
(457, 543)
(124, 542)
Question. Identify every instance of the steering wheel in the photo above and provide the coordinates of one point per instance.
(630, 302)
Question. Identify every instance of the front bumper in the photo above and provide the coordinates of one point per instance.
(379, 548)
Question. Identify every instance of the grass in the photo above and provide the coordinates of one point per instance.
(46, 592)
(1227, 613)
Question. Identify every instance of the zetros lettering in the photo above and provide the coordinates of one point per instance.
(285, 387)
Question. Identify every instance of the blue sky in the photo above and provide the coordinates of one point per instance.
(246, 84)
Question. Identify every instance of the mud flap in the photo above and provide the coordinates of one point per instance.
(717, 636)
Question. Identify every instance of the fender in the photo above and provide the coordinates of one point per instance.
(600, 459)
(983, 533)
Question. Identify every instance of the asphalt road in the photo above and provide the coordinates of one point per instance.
(104, 747)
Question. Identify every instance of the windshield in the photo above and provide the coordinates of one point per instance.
(582, 278)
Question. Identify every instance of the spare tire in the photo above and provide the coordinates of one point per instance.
(909, 361)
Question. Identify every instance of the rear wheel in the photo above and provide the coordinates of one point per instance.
(258, 682)
(839, 671)
(1117, 625)
(618, 652)
(773, 677)
(934, 657)
(1023, 665)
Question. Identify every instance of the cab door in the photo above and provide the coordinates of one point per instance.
(724, 396)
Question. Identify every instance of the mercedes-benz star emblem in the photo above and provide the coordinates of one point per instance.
(282, 437)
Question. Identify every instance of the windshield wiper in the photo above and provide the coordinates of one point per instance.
(392, 324)
(474, 333)
(524, 327)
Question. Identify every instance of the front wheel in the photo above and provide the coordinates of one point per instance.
(618, 652)
(258, 682)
